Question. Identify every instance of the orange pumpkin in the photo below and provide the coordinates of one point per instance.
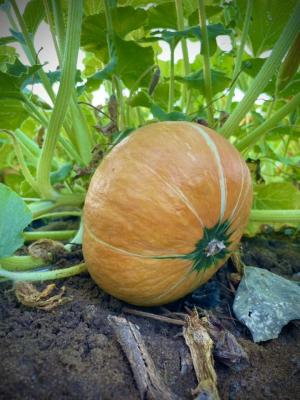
(163, 212)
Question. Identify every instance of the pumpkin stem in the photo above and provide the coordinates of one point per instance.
(214, 247)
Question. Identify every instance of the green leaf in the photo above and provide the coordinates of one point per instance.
(33, 15)
(93, 36)
(8, 55)
(196, 81)
(129, 62)
(276, 196)
(268, 20)
(162, 16)
(161, 115)
(252, 66)
(168, 36)
(62, 174)
(14, 217)
(12, 113)
(210, 12)
(141, 99)
(6, 40)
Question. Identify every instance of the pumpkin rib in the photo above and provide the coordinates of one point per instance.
(177, 285)
(234, 211)
(247, 190)
(128, 253)
(223, 187)
(179, 193)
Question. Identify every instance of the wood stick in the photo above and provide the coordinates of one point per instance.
(148, 380)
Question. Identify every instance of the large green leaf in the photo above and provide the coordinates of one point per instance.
(8, 55)
(125, 20)
(33, 15)
(162, 16)
(268, 20)
(196, 81)
(14, 217)
(12, 111)
(129, 62)
(276, 196)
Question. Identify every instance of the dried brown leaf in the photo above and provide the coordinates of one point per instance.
(30, 296)
(201, 347)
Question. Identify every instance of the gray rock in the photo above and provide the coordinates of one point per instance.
(265, 302)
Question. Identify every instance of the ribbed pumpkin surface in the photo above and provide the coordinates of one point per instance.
(163, 212)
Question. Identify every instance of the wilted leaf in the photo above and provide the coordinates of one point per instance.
(266, 302)
(14, 217)
(30, 296)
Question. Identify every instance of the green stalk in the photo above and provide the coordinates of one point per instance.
(25, 170)
(82, 131)
(265, 74)
(33, 57)
(43, 275)
(51, 25)
(239, 57)
(54, 235)
(172, 82)
(43, 207)
(206, 64)
(21, 263)
(254, 136)
(79, 124)
(35, 112)
(185, 53)
(63, 99)
(26, 141)
(285, 216)
(59, 24)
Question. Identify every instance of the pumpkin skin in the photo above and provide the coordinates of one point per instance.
(163, 212)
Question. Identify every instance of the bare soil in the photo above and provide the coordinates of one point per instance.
(71, 352)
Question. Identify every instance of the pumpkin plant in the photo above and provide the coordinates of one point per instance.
(172, 193)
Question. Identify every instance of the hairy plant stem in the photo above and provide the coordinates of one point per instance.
(172, 82)
(270, 66)
(63, 99)
(21, 263)
(239, 57)
(186, 63)
(55, 235)
(79, 124)
(269, 216)
(43, 275)
(270, 123)
(116, 83)
(206, 63)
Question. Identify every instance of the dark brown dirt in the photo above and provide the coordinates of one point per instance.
(71, 353)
